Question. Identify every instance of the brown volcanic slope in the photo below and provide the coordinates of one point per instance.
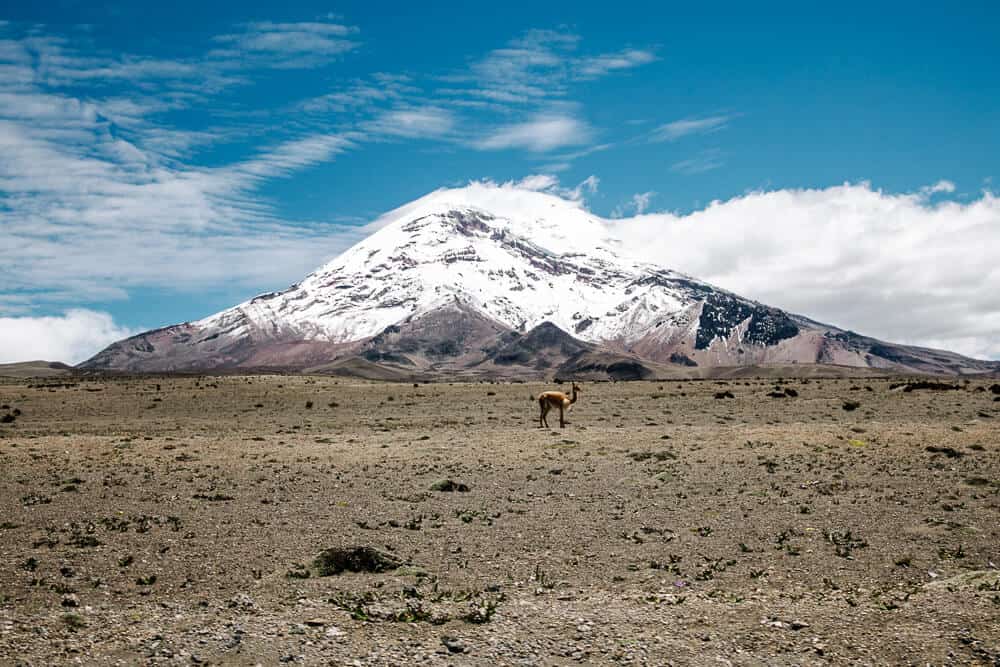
(456, 340)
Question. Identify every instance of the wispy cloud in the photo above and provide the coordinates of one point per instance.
(549, 183)
(30, 58)
(637, 204)
(539, 65)
(287, 45)
(530, 68)
(595, 66)
(542, 132)
(291, 156)
(705, 161)
(941, 187)
(360, 95)
(688, 126)
(421, 122)
(96, 197)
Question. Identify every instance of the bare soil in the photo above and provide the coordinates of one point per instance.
(310, 520)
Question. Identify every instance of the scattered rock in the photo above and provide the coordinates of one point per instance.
(851, 406)
(932, 385)
(449, 486)
(950, 452)
(724, 394)
(453, 644)
(243, 601)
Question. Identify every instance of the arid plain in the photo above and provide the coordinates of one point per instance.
(218, 520)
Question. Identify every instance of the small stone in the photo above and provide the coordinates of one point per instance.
(453, 644)
(242, 601)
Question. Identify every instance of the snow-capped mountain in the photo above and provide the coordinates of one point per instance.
(494, 281)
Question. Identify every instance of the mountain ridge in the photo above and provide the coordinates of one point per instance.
(447, 282)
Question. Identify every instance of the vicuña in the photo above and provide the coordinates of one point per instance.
(555, 399)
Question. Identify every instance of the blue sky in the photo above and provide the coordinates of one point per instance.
(161, 161)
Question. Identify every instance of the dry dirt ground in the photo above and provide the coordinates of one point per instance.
(178, 521)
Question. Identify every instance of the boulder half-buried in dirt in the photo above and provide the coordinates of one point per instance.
(353, 559)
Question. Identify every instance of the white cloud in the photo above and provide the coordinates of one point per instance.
(587, 186)
(537, 182)
(688, 126)
(290, 156)
(531, 67)
(543, 132)
(893, 266)
(641, 201)
(422, 122)
(638, 204)
(538, 66)
(603, 64)
(286, 45)
(96, 198)
(71, 338)
(360, 95)
(941, 187)
(549, 183)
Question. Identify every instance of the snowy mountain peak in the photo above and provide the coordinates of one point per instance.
(452, 281)
(555, 264)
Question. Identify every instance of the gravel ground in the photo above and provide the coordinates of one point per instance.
(217, 520)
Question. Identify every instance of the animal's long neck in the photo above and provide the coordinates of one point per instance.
(572, 399)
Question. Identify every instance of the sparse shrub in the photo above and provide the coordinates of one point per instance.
(354, 559)
(449, 486)
(845, 542)
(74, 621)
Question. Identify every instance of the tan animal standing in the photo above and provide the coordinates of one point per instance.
(555, 399)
